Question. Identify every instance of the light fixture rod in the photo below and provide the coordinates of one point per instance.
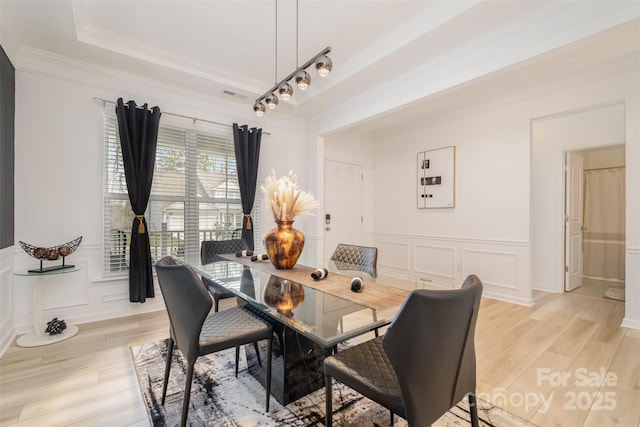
(304, 66)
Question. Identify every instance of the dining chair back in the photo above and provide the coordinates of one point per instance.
(209, 253)
(424, 364)
(210, 249)
(196, 331)
(355, 258)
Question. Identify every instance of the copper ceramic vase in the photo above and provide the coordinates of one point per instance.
(283, 245)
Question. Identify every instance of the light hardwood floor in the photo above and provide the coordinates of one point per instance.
(542, 363)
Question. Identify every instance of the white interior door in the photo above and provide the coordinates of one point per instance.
(343, 205)
(574, 168)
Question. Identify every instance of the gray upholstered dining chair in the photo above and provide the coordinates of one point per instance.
(196, 331)
(355, 259)
(209, 252)
(424, 364)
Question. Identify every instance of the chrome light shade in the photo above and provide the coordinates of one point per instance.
(286, 91)
(303, 80)
(324, 66)
(271, 101)
(259, 108)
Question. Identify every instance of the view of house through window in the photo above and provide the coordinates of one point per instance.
(194, 196)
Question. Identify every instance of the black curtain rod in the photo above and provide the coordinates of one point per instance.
(195, 119)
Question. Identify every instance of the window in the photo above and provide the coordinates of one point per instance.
(194, 195)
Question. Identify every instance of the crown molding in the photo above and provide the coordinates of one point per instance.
(99, 37)
(510, 45)
(59, 67)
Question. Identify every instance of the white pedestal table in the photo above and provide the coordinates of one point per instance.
(39, 337)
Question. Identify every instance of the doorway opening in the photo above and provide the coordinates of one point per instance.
(594, 217)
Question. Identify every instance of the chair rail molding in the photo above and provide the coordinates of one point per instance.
(502, 265)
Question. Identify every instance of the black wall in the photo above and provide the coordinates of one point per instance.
(7, 114)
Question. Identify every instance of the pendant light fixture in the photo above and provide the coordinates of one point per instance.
(272, 99)
(303, 80)
(259, 108)
(286, 91)
(323, 66)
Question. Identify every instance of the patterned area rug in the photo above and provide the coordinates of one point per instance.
(219, 399)
(614, 294)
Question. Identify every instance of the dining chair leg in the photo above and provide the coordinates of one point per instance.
(187, 393)
(237, 359)
(167, 369)
(255, 347)
(473, 410)
(268, 387)
(375, 331)
(391, 418)
(216, 304)
(328, 415)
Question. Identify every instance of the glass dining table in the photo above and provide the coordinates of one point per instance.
(309, 323)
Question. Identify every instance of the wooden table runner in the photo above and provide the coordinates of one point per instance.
(374, 295)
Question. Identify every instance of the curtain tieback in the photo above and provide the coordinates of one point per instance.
(141, 224)
(248, 216)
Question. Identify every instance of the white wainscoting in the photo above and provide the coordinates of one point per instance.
(434, 264)
(79, 297)
(499, 269)
(7, 331)
(502, 265)
(396, 254)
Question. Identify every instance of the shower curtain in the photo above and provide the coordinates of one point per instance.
(604, 215)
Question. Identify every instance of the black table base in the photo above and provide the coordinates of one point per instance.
(296, 368)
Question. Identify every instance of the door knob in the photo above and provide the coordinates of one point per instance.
(328, 228)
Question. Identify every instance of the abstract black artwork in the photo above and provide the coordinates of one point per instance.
(436, 178)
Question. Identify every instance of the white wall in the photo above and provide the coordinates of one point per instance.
(596, 125)
(506, 226)
(487, 231)
(591, 113)
(59, 178)
(59, 186)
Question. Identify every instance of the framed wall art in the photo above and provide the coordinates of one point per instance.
(436, 178)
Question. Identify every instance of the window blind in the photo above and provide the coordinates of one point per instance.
(194, 196)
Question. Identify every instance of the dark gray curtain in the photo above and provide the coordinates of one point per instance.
(247, 146)
(138, 127)
(7, 150)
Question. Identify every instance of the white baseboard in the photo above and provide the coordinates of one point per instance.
(7, 335)
(630, 323)
(527, 302)
(97, 317)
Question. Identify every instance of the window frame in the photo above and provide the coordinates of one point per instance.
(196, 139)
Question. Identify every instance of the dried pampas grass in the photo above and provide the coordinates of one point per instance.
(284, 199)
